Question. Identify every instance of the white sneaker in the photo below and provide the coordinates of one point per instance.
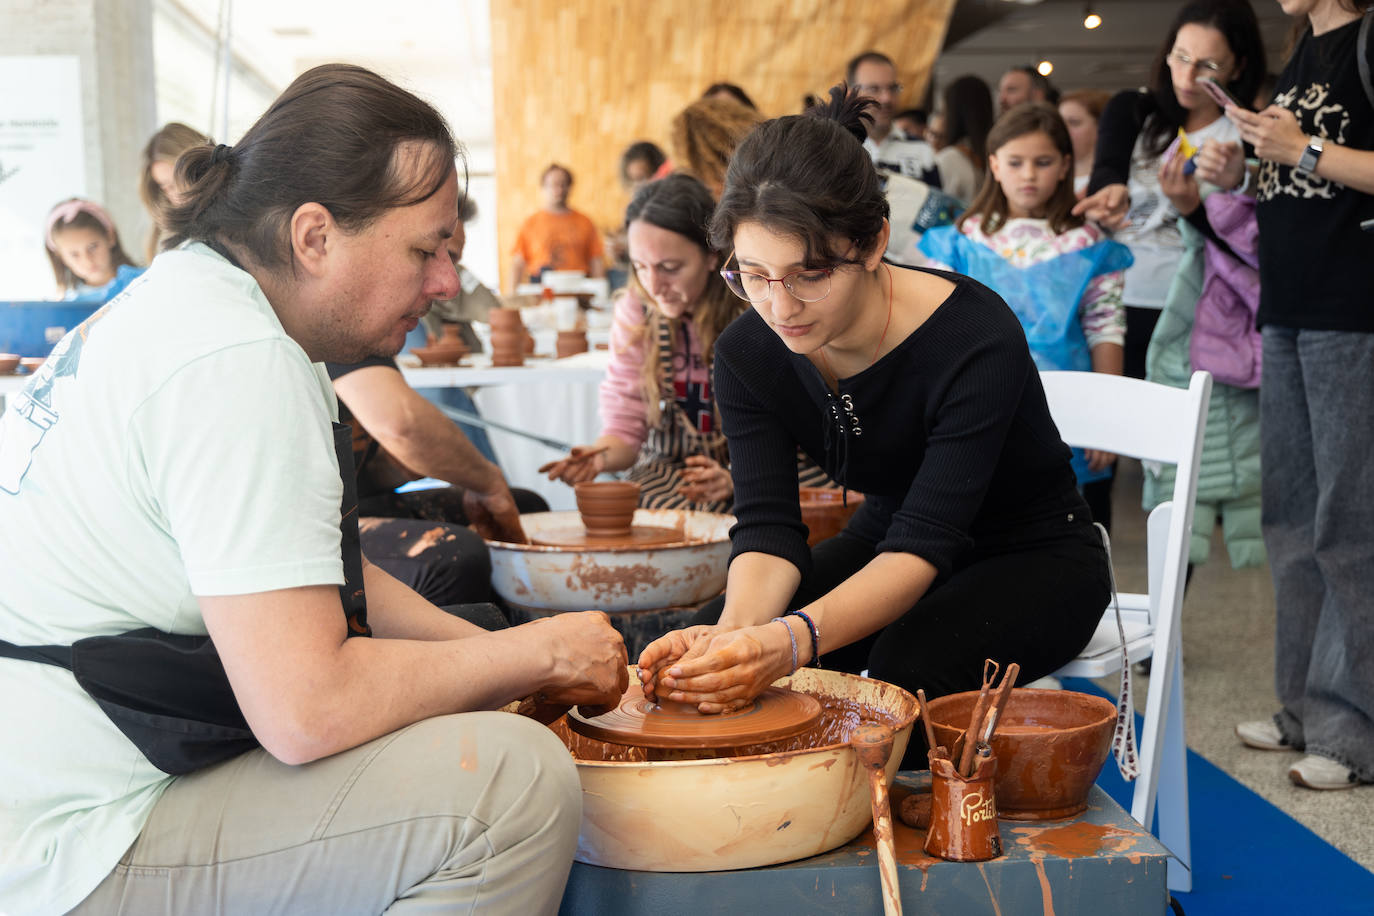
(1322, 773)
(1263, 734)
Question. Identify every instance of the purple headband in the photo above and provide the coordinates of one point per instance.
(67, 211)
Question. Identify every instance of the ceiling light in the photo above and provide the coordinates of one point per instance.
(1091, 20)
(1044, 68)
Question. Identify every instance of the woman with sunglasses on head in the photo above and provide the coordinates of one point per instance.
(914, 387)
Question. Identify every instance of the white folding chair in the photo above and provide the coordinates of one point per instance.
(1151, 422)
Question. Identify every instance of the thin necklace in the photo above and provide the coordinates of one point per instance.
(882, 337)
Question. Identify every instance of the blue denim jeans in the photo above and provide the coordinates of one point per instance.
(1317, 434)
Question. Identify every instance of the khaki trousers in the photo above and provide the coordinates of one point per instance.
(458, 814)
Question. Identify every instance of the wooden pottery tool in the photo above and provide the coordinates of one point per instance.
(925, 720)
(873, 744)
(968, 744)
(580, 456)
(999, 701)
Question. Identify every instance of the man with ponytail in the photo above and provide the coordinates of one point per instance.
(259, 719)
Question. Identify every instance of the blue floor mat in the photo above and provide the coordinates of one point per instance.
(1249, 857)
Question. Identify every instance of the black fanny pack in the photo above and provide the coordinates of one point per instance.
(167, 692)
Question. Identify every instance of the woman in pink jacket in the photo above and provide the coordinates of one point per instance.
(657, 408)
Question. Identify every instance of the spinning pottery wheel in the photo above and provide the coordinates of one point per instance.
(775, 714)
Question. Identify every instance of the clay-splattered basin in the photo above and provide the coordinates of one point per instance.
(1050, 746)
(676, 574)
(740, 812)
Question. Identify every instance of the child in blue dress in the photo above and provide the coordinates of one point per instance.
(1061, 275)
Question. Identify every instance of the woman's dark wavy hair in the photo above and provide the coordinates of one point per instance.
(1235, 20)
(333, 137)
(808, 176)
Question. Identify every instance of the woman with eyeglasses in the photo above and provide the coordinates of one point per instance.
(914, 387)
(1139, 187)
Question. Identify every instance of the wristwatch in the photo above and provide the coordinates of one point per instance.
(1308, 161)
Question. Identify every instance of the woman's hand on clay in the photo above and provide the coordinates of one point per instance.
(705, 480)
(1274, 132)
(583, 462)
(494, 515)
(1221, 164)
(1098, 460)
(1108, 206)
(1181, 189)
(586, 657)
(665, 651)
(725, 671)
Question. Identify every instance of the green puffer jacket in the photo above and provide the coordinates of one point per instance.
(1229, 479)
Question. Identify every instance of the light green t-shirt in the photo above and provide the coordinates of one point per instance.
(176, 444)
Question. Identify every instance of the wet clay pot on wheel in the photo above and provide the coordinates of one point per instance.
(826, 510)
(607, 507)
(507, 337)
(1050, 746)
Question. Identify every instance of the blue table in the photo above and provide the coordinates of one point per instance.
(1100, 862)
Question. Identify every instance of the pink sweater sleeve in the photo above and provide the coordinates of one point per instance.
(622, 390)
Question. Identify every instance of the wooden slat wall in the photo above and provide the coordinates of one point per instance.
(576, 81)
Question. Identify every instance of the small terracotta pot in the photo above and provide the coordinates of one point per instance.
(507, 347)
(8, 363)
(825, 513)
(32, 363)
(963, 811)
(607, 506)
(507, 319)
(441, 354)
(1050, 745)
(570, 343)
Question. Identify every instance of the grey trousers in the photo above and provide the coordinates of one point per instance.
(457, 814)
(1317, 436)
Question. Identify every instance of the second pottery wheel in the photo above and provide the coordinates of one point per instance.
(776, 713)
(639, 536)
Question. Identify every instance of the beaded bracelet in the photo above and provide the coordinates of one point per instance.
(815, 637)
(793, 637)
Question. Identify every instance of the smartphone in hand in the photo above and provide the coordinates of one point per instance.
(1219, 93)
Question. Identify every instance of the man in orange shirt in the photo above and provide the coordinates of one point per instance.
(556, 237)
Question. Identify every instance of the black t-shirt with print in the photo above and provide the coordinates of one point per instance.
(1316, 263)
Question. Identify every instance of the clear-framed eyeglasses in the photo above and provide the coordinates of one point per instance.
(1209, 67)
(809, 285)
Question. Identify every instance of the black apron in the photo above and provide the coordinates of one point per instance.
(167, 692)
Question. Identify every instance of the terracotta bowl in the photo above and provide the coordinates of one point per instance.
(31, 363)
(441, 354)
(745, 811)
(1050, 746)
(825, 512)
(607, 507)
(8, 363)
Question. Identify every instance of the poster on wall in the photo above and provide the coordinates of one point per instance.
(42, 161)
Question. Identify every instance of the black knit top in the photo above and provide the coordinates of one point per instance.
(948, 436)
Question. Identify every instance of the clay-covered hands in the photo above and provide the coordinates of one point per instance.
(1108, 206)
(494, 514)
(584, 462)
(586, 659)
(705, 481)
(715, 668)
(1274, 133)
